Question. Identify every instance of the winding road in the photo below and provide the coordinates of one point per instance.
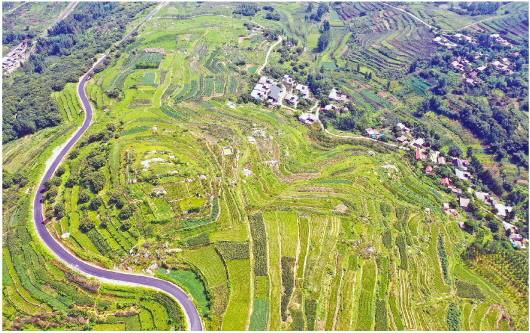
(54, 245)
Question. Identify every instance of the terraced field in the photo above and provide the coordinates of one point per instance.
(387, 41)
(266, 223)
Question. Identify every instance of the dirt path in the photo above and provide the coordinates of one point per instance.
(410, 14)
(360, 138)
(476, 22)
(268, 54)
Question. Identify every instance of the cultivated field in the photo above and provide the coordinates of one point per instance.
(267, 223)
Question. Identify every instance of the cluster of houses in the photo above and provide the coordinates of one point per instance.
(461, 64)
(15, 57)
(433, 159)
(337, 100)
(450, 41)
(499, 40)
(444, 41)
(274, 93)
(470, 73)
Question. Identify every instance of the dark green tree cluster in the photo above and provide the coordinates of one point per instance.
(61, 57)
(246, 9)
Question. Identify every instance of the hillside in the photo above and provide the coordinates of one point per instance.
(269, 214)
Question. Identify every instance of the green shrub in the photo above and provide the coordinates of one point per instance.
(287, 282)
(310, 313)
(233, 250)
(387, 239)
(198, 240)
(402, 247)
(453, 317)
(381, 321)
(468, 290)
(259, 237)
(443, 258)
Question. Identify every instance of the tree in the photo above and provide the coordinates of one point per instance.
(95, 203)
(116, 200)
(246, 9)
(126, 212)
(325, 26)
(454, 151)
(488, 179)
(323, 41)
(59, 211)
(471, 225)
(60, 171)
(86, 225)
(95, 181)
(72, 181)
(83, 197)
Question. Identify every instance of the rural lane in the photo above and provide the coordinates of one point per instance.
(54, 245)
(268, 54)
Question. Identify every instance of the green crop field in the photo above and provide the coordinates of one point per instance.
(266, 223)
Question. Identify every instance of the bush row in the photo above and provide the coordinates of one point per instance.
(259, 237)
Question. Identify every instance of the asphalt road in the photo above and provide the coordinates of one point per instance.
(190, 311)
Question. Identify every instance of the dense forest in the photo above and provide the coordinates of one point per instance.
(61, 57)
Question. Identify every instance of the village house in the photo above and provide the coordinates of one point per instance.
(448, 210)
(455, 189)
(502, 210)
(463, 175)
(509, 228)
(483, 196)
(441, 160)
(433, 156)
(308, 118)
(501, 41)
(445, 181)
(517, 240)
(464, 202)
(155, 50)
(402, 139)
(460, 164)
(482, 68)
(420, 154)
(419, 142)
(276, 94)
(15, 57)
(443, 41)
(373, 133)
(329, 107)
(402, 127)
(288, 80)
(457, 65)
(260, 92)
(462, 37)
(335, 95)
(303, 89)
(292, 99)
(501, 66)
(428, 169)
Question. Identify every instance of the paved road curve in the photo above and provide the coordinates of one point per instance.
(190, 312)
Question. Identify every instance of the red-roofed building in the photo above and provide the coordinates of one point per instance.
(446, 181)
(420, 155)
(428, 169)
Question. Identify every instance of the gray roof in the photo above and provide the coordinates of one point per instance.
(275, 93)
